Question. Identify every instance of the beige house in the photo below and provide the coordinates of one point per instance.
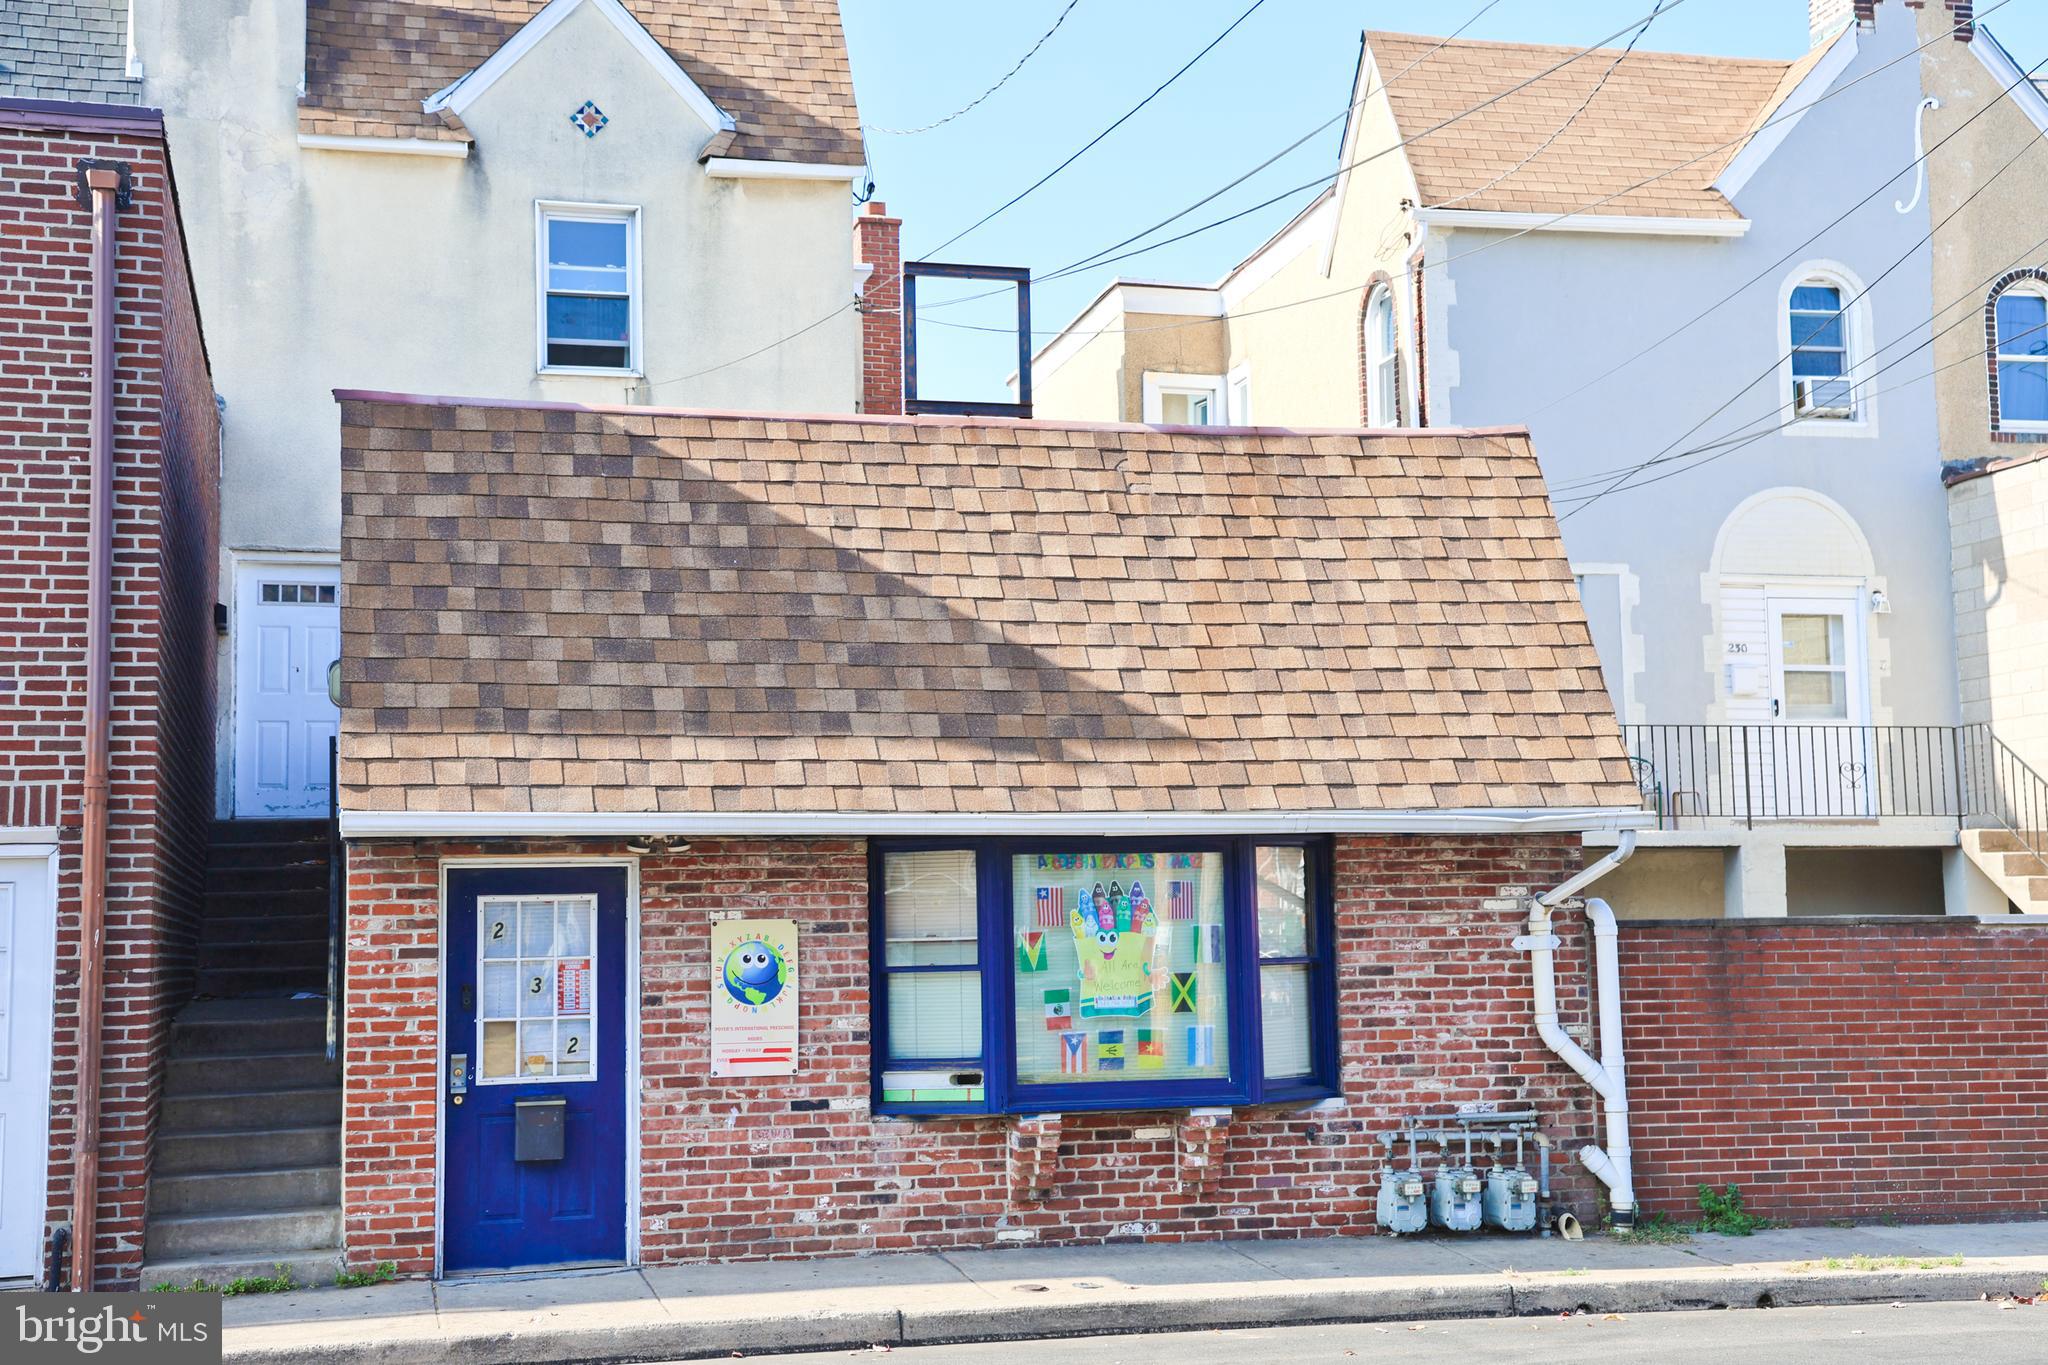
(1702, 284)
(592, 201)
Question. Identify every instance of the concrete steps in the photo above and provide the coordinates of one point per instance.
(247, 1174)
(2005, 858)
(265, 931)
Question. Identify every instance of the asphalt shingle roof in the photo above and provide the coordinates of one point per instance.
(1657, 111)
(566, 609)
(66, 50)
(779, 67)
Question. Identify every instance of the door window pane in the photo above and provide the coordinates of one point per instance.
(531, 1008)
(1812, 639)
(1817, 694)
(1119, 967)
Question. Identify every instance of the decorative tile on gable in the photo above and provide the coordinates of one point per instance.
(590, 119)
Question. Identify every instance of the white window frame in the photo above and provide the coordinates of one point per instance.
(1159, 383)
(545, 210)
(1382, 360)
(2035, 289)
(1858, 339)
(1238, 396)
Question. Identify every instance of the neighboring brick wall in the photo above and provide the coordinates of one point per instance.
(1840, 1070)
(1435, 1007)
(878, 241)
(165, 458)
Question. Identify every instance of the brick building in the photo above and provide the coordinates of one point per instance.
(1124, 801)
(142, 367)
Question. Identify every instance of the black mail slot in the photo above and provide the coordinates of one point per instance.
(537, 1128)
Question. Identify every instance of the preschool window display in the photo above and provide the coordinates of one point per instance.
(1015, 977)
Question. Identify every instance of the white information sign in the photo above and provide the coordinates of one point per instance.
(753, 997)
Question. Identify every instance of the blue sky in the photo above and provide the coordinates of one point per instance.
(1285, 70)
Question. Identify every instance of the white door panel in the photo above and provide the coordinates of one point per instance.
(27, 949)
(288, 619)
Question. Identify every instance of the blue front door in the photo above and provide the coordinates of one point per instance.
(534, 1108)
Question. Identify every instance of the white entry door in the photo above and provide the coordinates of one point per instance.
(288, 630)
(27, 953)
(1821, 755)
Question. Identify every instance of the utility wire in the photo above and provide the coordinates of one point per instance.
(1505, 238)
(1158, 90)
(1562, 128)
(1773, 368)
(1003, 80)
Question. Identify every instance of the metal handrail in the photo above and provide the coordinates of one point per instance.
(1798, 771)
(2004, 790)
(334, 901)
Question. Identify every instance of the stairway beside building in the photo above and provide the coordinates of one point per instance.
(2004, 858)
(248, 1154)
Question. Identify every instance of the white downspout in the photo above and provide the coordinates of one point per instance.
(1609, 1075)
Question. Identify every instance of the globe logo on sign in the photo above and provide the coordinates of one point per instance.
(754, 973)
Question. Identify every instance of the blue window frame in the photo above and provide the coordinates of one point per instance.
(1025, 975)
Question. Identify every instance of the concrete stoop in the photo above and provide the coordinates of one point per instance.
(2003, 857)
(686, 1312)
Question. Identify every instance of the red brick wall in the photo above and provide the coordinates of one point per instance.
(878, 241)
(1435, 1008)
(165, 444)
(1840, 1070)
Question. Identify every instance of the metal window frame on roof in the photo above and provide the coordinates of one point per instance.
(1018, 275)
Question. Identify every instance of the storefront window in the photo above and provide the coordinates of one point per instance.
(1013, 976)
(1120, 967)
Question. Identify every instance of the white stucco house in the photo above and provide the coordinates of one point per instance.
(597, 201)
(1704, 285)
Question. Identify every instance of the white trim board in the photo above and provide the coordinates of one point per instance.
(362, 824)
(740, 168)
(2027, 95)
(1778, 125)
(465, 91)
(1615, 223)
(385, 146)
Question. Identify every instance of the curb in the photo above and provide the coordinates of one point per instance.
(1151, 1312)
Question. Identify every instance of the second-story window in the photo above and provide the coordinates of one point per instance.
(590, 267)
(1381, 361)
(1819, 323)
(2022, 314)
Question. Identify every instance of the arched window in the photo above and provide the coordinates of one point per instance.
(2021, 328)
(1821, 368)
(1382, 365)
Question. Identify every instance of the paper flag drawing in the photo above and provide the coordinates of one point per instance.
(1201, 1045)
(1180, 900)
(1031, 951)
(1073, 1054)
(1208, 943)
(1109, 1050)
(1052, 907)
(1183, 992)
(1059, 1009)
(1151, 1049)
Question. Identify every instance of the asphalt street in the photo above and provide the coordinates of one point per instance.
(1980, 1333)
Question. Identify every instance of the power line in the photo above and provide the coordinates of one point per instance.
(1562, 128)
(1083, 149)
(1505, 238)
(1003, 80)
(1841, 312)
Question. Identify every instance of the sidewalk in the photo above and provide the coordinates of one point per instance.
(674, 1312)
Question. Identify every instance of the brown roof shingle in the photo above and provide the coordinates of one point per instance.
(779, 67)
(567, 609)
(1657, 111)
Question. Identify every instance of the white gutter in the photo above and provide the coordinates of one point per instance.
(384, 146)
(1612, 1166)
(740, 168)
(375, 824)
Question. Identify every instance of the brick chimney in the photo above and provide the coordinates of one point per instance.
(1826, 18)
(878, 243)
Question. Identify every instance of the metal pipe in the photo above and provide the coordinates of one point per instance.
(1612, 1166)
(103, 183)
